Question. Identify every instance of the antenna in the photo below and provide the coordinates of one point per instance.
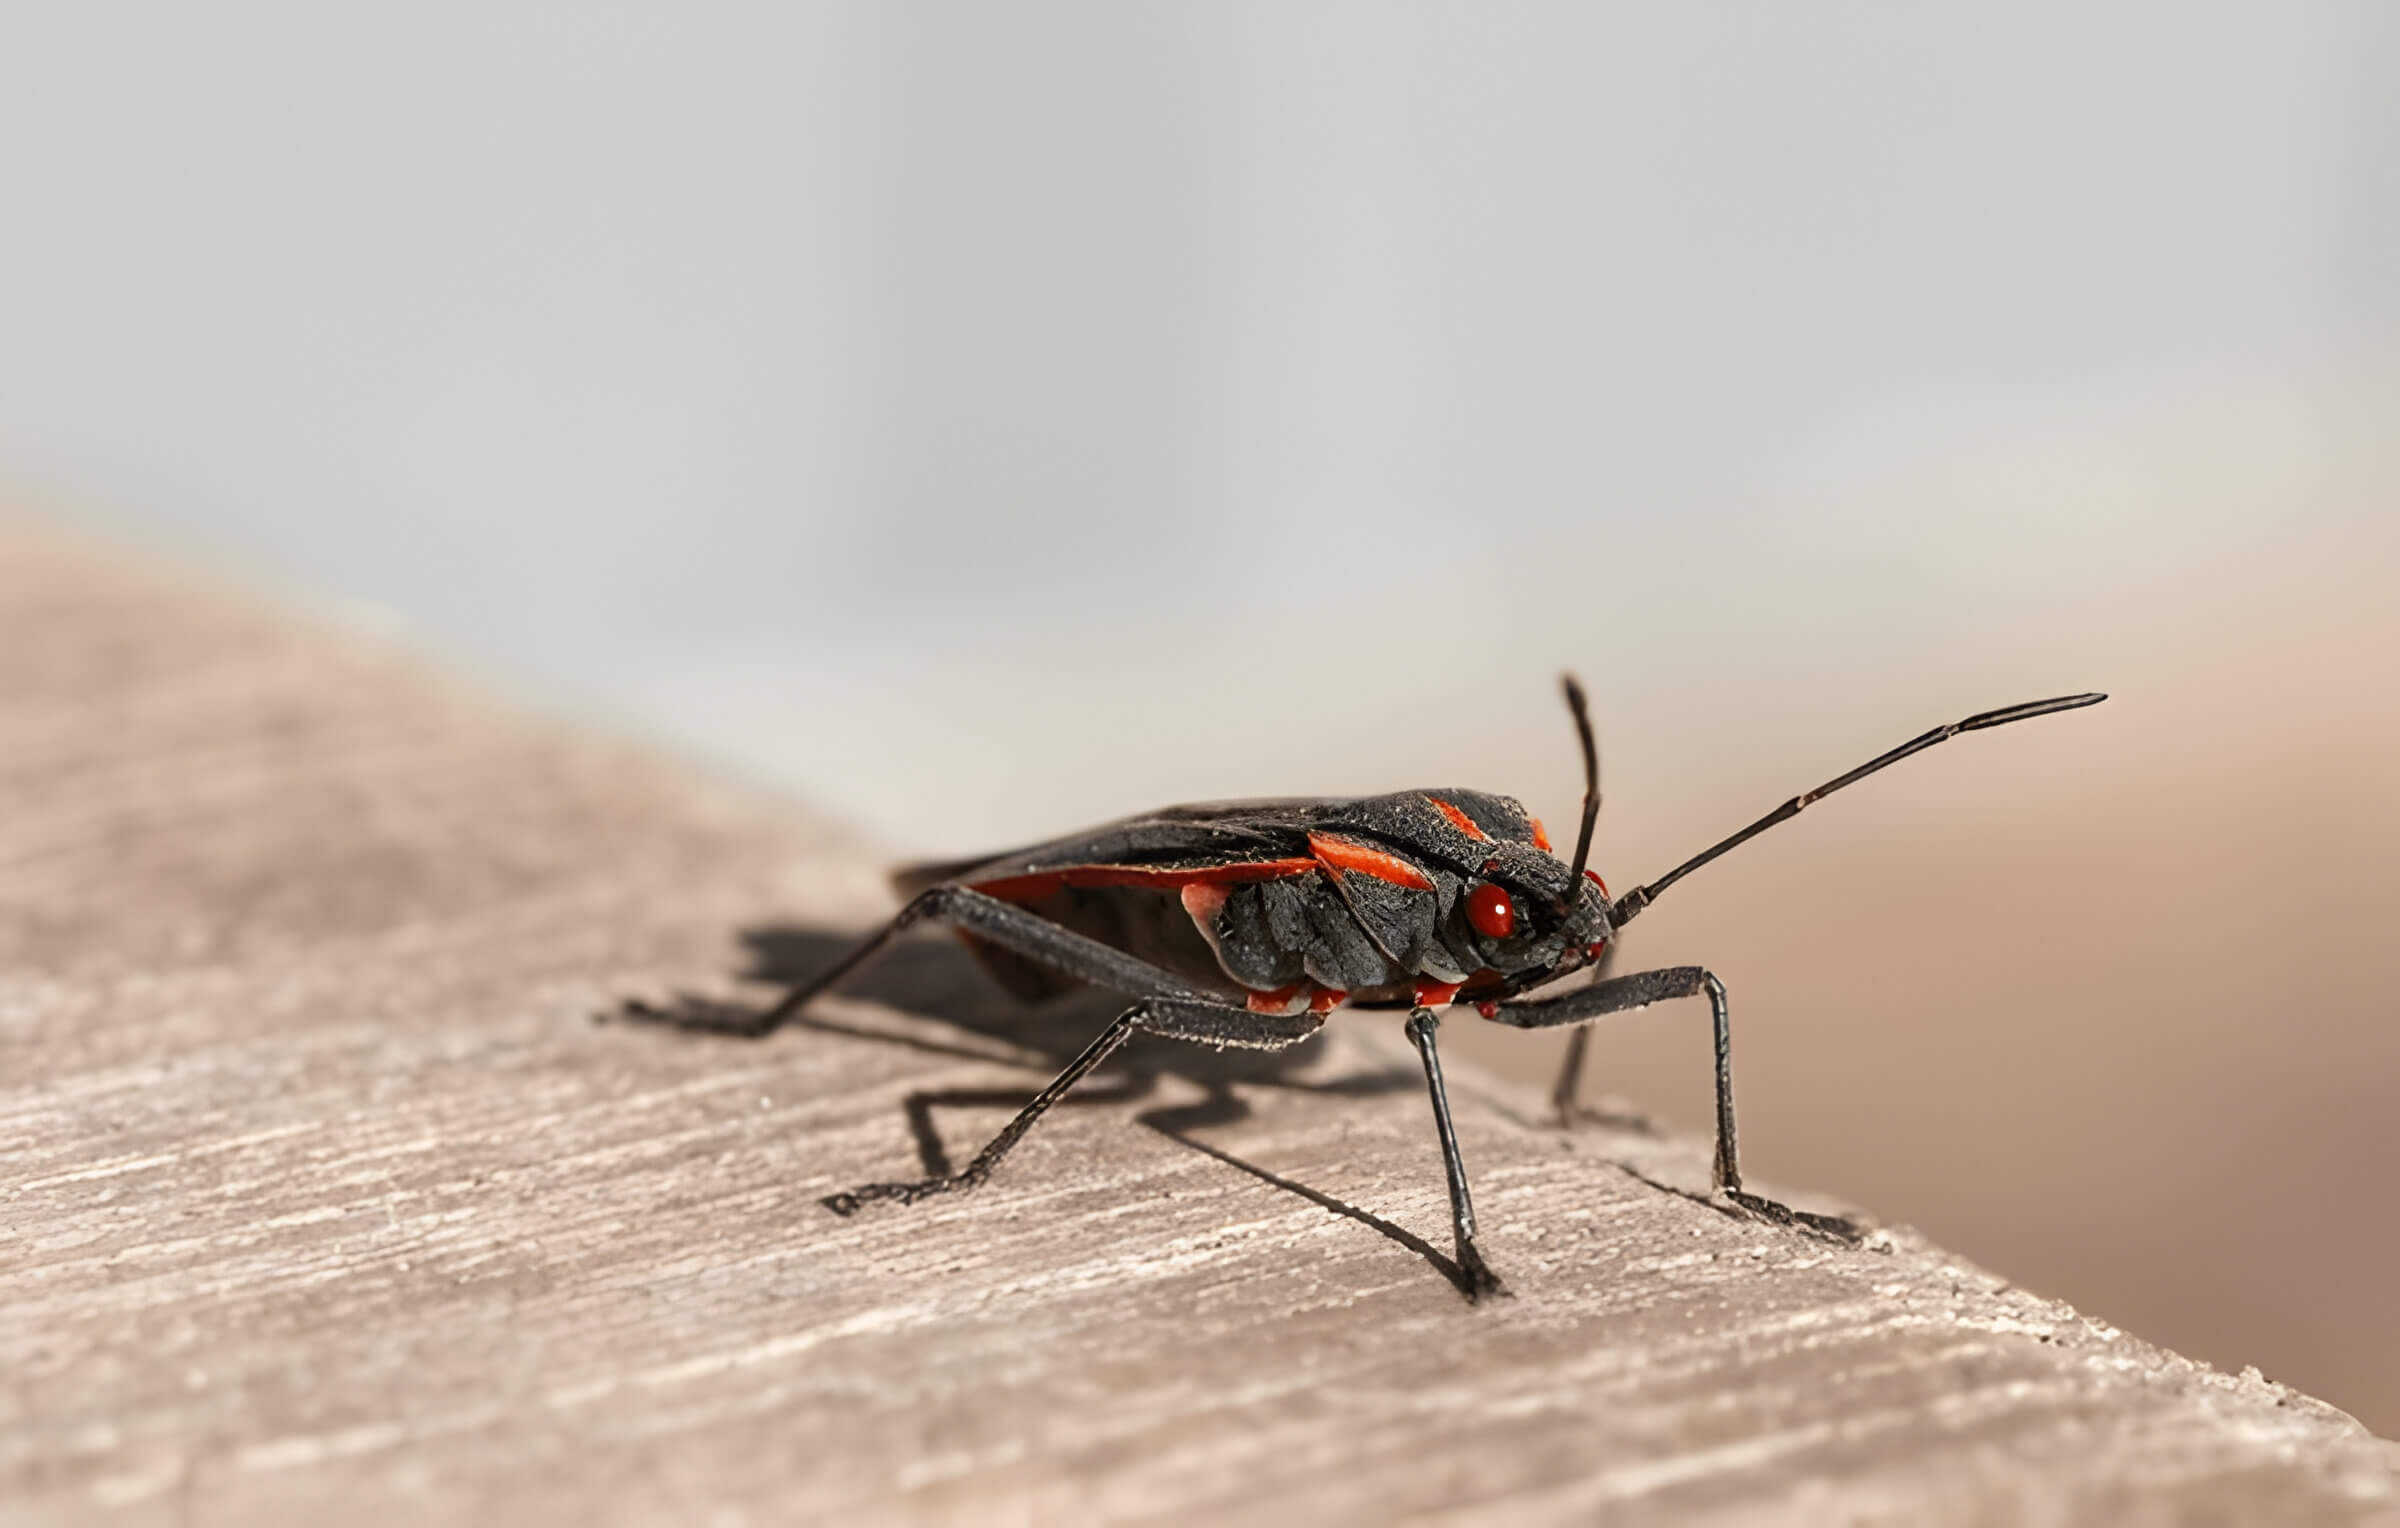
(1591, 788)
(1631, 904)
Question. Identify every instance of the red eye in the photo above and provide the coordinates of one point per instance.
(1488, 908)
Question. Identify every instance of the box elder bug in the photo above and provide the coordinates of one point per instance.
(1245, 923)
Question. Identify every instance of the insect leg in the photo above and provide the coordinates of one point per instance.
(1570, 1077)
(1204, 1023)
(1563, 1092)
(1004, 923)
(1623, 994)
(1475, 1275)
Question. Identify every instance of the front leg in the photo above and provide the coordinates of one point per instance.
(1623, 994)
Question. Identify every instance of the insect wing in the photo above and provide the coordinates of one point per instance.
(1180, 838)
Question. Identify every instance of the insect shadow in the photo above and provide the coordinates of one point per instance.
(937, 978)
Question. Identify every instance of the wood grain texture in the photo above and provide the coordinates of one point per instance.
(322, 1193)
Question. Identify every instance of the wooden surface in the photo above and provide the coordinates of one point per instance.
(322, 1192)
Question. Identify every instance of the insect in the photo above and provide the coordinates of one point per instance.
(1247, 923)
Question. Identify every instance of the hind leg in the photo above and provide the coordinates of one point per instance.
(1003, 923)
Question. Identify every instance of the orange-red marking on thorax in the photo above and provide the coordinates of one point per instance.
(1204, 902)
(1594, 950)
(1340, 854)
(1541, 836)
(1460, 820)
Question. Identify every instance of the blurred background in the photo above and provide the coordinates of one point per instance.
(983, 420)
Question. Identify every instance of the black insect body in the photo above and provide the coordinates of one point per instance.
(1245, 923)
(1291, 906)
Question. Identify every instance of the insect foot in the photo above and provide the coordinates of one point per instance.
(851, 1201)
(1833, 1228)
(693, 1015)
(1475, 1278)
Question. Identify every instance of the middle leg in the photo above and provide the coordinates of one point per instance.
(1475, 1276)
(1180, 1019)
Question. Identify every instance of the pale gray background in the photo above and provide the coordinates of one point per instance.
(985, 418)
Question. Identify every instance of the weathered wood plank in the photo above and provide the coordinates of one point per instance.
(321, 1193)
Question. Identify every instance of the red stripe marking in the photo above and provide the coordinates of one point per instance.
(1433, 994)
(1483, 981)
(1326, 999)
(1341, 854)
(1541, 837)
(1204, 902)
(1460, 820)
(1032, 888)
(1276, 1001)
